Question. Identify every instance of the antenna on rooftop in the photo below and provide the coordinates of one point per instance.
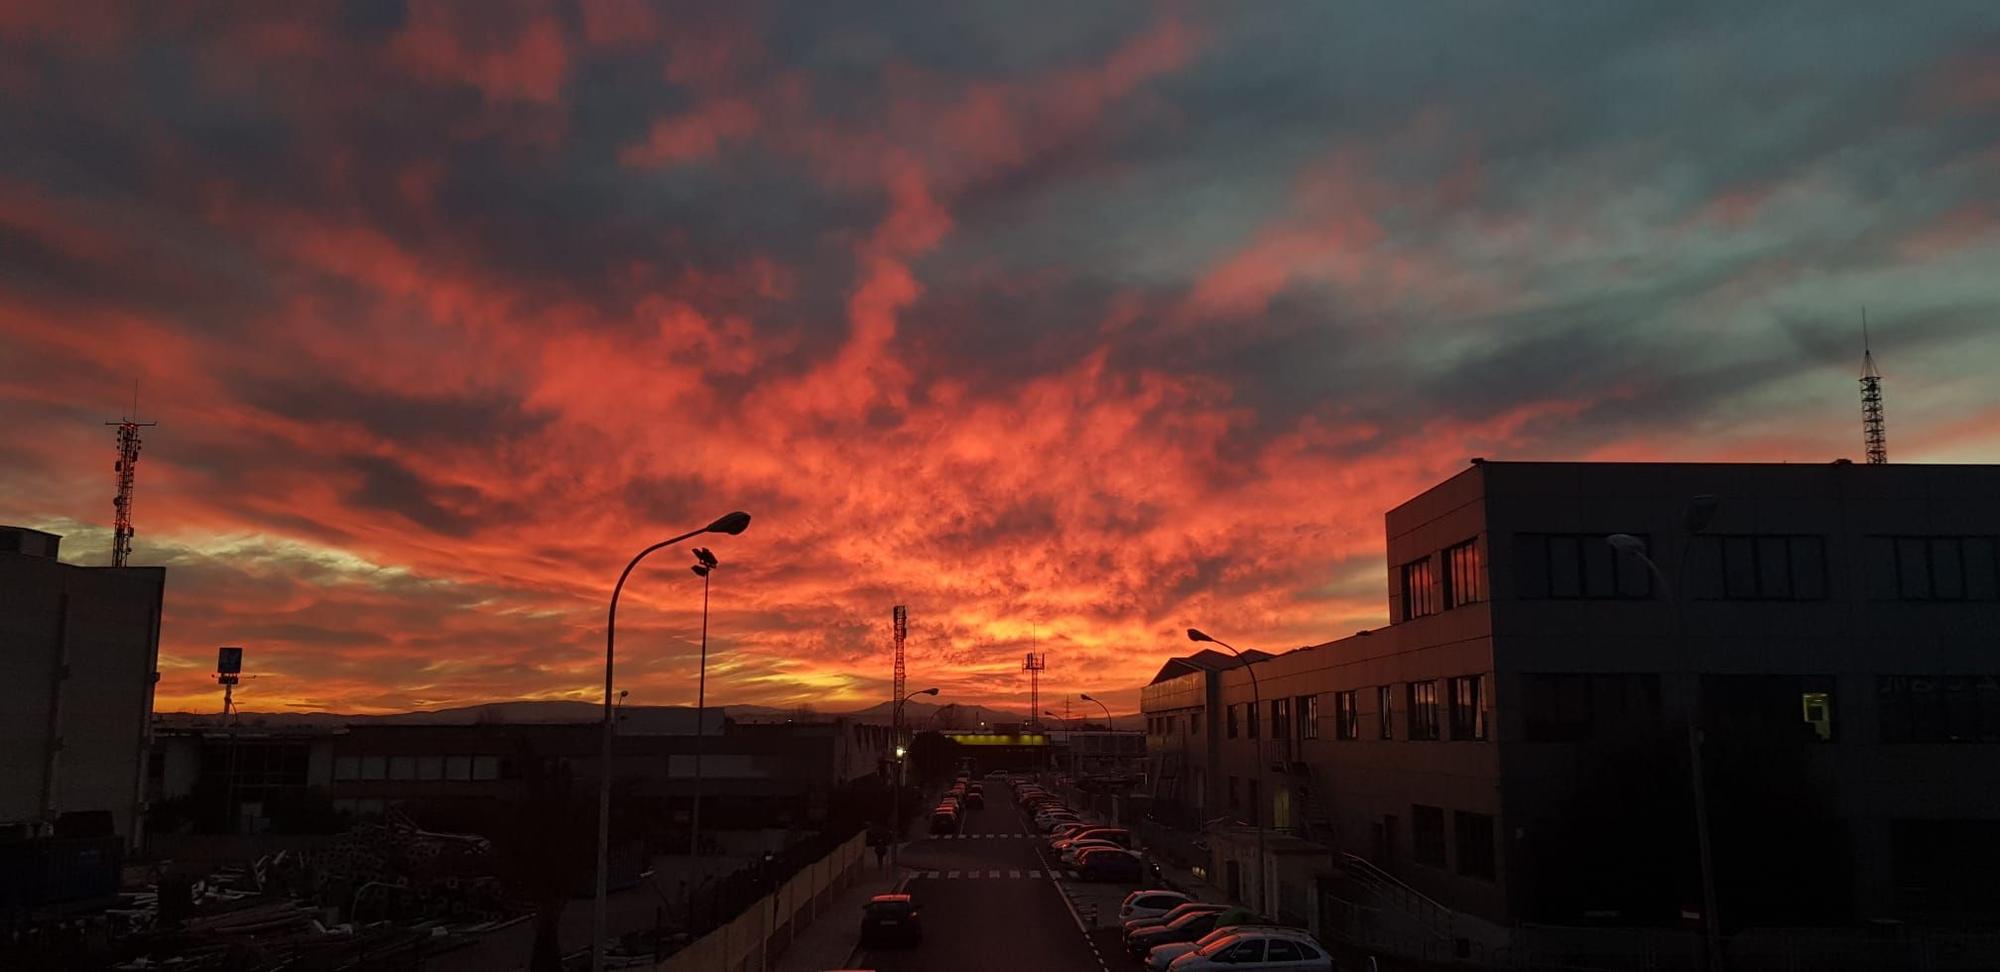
(1872, 432)
(128, 457)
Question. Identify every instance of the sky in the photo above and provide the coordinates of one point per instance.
(1067, 325)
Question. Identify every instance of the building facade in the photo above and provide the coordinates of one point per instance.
(81, 652)
(1513, 744)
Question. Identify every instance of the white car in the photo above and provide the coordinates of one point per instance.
(1260, 948)
(1140, 905)
(1161, 957)
(1062, 830)
(1043, 821)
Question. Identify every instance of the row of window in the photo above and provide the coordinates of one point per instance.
(1464, 699)
(1425, 591)
(1938, 708)
(1473, 833)
(1167, 725)
(459, 768)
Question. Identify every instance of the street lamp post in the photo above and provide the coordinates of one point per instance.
(732, 523)
(896, 792)
(1107, 722)
(1263, 781)
(707, 566)
(1699, 511)
(1072, 743)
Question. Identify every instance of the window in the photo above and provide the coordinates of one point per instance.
(1346, 721)
(1464, 581)
(1573, 707)
(402, 767)
(1419, 589)
(1384, 715)
(1468, 715)
(1281, 719)
(458, 767)
(1932, 568)
(1779, 707)
(1250, 710)
(1424, 710)
(485, 767)
(1757, 568)
(1475, 843)
(1231, 712)
(1249, 951)
(1233, 801)
(346, 768)
(374, 767)
(1308, 709)
(1283, 950)
(430, 767)
(1578, 565)
(1938, 708)
(1194, 723)
(1427, 834)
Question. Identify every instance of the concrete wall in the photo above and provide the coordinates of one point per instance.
(76, 687)
(768, 926)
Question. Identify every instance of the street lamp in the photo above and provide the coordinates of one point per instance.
(705, 565)
(1695, 517)
(732, 524)
(1263, 780)
(896, 792)
(1107, 727)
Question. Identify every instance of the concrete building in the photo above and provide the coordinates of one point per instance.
(1512, 745)
(79, 653)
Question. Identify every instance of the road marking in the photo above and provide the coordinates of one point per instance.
(1014, 873)
(951, 874)
(1035, 873)
(992, 874)
(1070, 874)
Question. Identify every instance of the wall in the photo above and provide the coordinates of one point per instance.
(764, 930)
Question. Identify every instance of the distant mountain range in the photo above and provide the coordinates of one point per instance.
(918, 715)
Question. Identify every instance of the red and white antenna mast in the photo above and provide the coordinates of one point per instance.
(1873, 435)
(128, 458)
(900, 618)
(1033, 664)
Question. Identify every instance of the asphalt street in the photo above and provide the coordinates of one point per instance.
(991, 900)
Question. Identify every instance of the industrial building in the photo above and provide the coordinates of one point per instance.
(81, 651)
(1512, 747)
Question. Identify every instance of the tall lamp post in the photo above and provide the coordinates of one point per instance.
(1263, 782)
(1072, 743)
(731, 523)
(705, 567)
(1107, 723)
(896, 792)
(1694, 518)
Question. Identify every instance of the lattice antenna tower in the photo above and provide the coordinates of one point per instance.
(1872, 430)
(900, 619)
(128, 459)
(1033, 663)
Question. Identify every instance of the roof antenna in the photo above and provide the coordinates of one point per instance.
(1873, 435)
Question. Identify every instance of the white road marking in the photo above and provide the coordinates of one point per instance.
(1035, 873)
(992, 874)
(1014, 873)
(951, 874)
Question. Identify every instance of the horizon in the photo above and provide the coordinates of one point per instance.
(1069, 332)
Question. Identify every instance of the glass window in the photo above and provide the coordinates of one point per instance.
(402, 767)
(458, 767)
(374, 767)
(1465, 581)
(1384, 715)
(1565, 567)
(1233, 801)
(1475, 844)
(1468, 714)
(1880, 554)
(1308, 709)
(1248, 950)
(1531, 566)
(347, 767)
(1913, 569)
(1427, 834)
(1571, 565)
(485, 767)
(1419, 589)
(1808, 568)
(1281, 718)
(1250, 713)
(1194, 723)
(1423, 710)
(1947, 569)
(1346, 720)
(1982, 575)
(430, 767)
(1230, 711)
(1282, 950)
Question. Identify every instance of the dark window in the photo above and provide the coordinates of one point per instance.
(1938, 708)
(1346, 720)
(1424, 710)
(1475, 843)
(1427, 834)
(1468, 701)
(1233, 801)
(1419, 589)
(1757, 568)
(1572, 707)
(1194, 723)
(1578, 565)
(1250, 710)
(1776, 707)
(1248, 952)
(1931, 568)
(1282, 950)
(1385, 718)
(1308, 710)
(1281, 719)
(1230, 711)
(1464, 580)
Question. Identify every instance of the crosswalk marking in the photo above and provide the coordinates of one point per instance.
(952, 874)
(992, 873)
(1014, 874)
(1035, 873)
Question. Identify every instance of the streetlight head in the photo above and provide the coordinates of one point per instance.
(900, 752)
(1195, 634)
(730, 523)
(699, 570)
(1627, 543)
(706, 557)
(1086, 697)
(928, 691)
(1700, 510)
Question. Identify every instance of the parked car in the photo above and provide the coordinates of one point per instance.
(998, 775)
(975, 801)
(1144, 905)
(891, 919)
(975, 787)
(1060, 831)
(1260, 948)
(1117, 835)
(1162, 957)
(1109, 864)
(1073, 853)
(1185, 908)
(1186, 925)
(1049, 818)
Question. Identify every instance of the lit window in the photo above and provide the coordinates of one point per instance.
(1464, 580)
(1419, 589)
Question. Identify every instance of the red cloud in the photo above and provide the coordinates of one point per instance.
(475, 46)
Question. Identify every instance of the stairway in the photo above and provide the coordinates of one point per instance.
(1389, 892)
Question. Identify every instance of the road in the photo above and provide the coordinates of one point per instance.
(991, 902)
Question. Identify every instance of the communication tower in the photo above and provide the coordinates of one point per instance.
(1872, 432)
(1033, 663)
(128, 458)
(900, 619)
